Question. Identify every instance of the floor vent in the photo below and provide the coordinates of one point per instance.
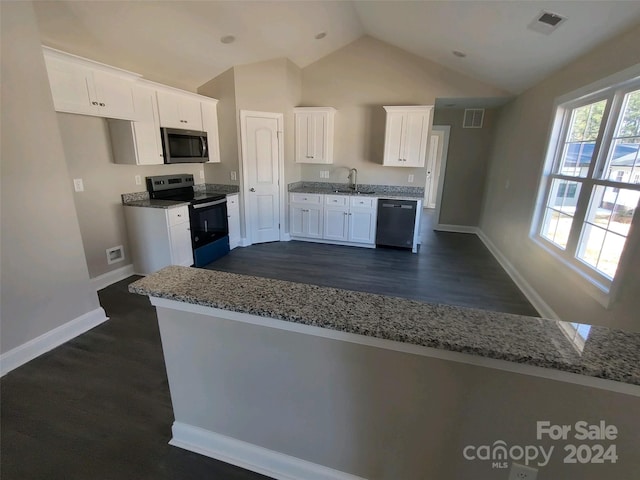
(473, 118)
(546, 22)
(115, 254)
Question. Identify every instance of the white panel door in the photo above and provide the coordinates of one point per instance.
(261, 154)
(181, 249)
(71, 87)
(115, 95)
(433, 169)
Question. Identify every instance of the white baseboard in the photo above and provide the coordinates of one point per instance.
(286, 237)
(251, 457)
(443, 227)
(106, 279)
(534, 297)
(244, 242)
(34, 348)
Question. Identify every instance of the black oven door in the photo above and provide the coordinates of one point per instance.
(208, 222)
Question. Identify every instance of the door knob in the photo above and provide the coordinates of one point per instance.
(252, 189)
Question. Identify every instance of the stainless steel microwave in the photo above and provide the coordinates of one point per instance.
(184, 146)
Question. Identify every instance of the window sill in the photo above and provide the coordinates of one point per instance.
(590, 286)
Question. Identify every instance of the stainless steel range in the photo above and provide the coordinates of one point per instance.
(207, 214)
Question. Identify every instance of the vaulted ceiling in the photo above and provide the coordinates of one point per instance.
(178, 42)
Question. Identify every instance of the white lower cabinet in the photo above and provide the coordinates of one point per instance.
(158, 237)
(233, 216)
(333, 218)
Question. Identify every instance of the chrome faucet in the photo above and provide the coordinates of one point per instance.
(353, 179)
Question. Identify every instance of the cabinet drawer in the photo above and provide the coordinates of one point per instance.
(336, 200)
(178, 215)
(361, 202)
(310, 198)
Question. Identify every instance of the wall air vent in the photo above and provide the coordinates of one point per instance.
(546, 22)
(473, 118)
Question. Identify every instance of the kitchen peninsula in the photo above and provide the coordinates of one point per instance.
(314, 382)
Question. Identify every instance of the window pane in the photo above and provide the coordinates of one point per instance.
(578, 148)
(556, 227)
(623, 160)
(591, 244)
(564, 196)
(606, 227)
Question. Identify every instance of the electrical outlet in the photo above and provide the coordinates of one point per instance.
(324, 173)
(234, 175)
(202, 174)
(138, 180)
(78, 185)
(522, 472)
(410, 178)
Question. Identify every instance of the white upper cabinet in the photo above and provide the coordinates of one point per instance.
(406, 135)
(314, 134)
(139, 142)
(210, 125)
(178, 110)
(89, 88)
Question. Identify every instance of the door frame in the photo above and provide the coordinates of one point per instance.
(443, 168)
(244, 184)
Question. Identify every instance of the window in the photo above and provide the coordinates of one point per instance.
(591, 189)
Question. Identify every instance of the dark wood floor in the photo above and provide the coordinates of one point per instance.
(451, 268)
(98, 407)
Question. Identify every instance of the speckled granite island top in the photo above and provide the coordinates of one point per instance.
(609, 354)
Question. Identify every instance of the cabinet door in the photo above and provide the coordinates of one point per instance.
(394, 139)
(181, 251)
(319, 134)
(415, 141)
(233, 216)
(305, 221)
(71, 87)
(336, 223)
(114, 95)
(179, 111)
(210, 125)
(147, 129)
(304, 137)
(362, 226)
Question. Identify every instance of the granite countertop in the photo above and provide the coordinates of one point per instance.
(607, 353)
(325, 191)
(151, 203)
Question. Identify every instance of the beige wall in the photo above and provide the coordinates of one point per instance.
(223, 88)
(511, 189)
(87, 149)
(372, 412)
(45, 282)
(270, 86)
(467, 163)
(358, 80)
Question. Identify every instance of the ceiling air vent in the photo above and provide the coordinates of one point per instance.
(546, 22)
(473, 117)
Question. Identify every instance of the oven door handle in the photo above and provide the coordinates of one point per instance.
(209, 204)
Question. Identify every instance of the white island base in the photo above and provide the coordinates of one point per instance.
(293, 401)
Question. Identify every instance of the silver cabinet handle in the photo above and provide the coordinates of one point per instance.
(94, 103)
(102, 104)
(252, 189)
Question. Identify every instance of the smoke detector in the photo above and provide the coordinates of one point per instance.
(546, 22)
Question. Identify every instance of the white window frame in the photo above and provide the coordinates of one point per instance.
(613, 89)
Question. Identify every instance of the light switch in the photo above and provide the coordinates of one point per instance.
(78, 185)
(138, 180)
(234, 175)
(410, 178)
(202, 174)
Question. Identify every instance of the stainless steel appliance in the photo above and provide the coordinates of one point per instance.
(207, 214)
(396, 223)
(184, 146)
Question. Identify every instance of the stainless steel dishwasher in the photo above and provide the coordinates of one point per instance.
(396, 223)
